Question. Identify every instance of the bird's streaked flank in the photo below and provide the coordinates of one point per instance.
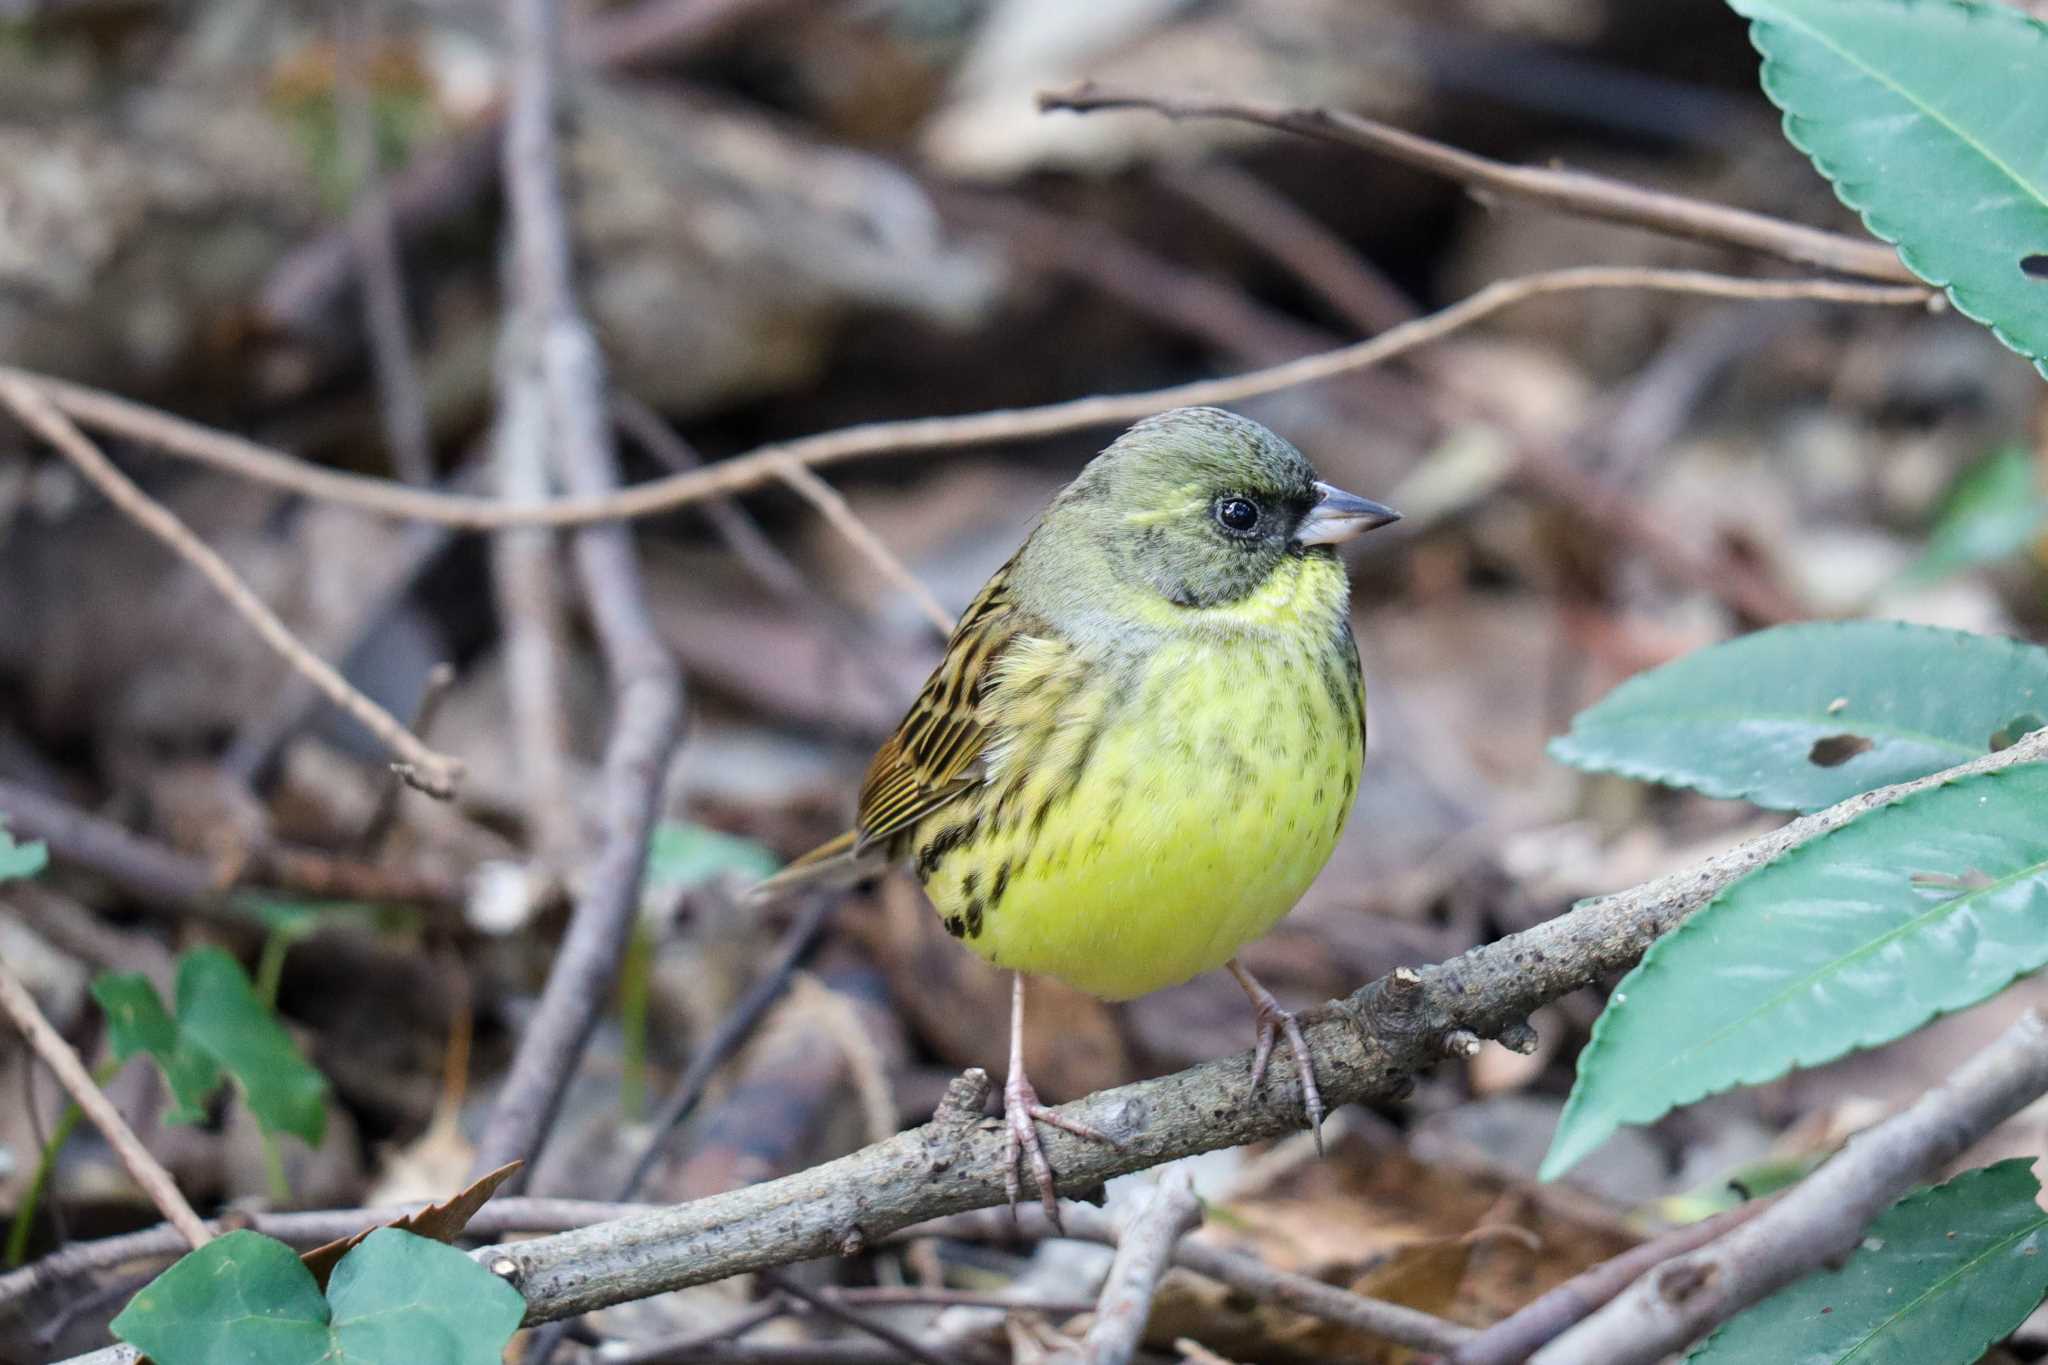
(1144, 738)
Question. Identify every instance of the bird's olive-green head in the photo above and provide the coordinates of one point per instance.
(1196, 505)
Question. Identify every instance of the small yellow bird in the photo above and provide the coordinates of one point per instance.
(1143, 740)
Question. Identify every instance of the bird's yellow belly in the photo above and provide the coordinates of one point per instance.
(1168, 817)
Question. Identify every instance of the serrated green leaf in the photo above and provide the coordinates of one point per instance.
(219, 1014)
(1802, 716)
(138, 1022)
(1930, 118)
(1996, 509)
(397, 1299)
(1942, 1275)
(1853, 939)
(682, 855)
(20, 860)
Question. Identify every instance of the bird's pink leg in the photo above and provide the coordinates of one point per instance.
(1272, 1021)
(1022, 1113)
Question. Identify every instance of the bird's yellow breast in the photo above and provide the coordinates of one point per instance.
(1148, 810)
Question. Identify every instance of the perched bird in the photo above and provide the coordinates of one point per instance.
(1143, 740)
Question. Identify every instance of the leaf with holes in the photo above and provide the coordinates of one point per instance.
(1930, 118)
(1945, 1273)
(1803, 716)
(1850, 940)
(220, 1028)
(20, 860)
(1996, 509)
(397, 1299)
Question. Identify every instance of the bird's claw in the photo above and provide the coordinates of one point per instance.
(1022, 1113)
(1272, 1022)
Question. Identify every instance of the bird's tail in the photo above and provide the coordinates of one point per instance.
(836, 863)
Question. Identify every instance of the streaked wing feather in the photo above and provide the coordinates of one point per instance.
(933, 756)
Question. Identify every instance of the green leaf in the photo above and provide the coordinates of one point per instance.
(218, 1013)
(400, 1298)
(138, 1022)
(1802, 716)
(221, 1027)
(1996, 509)
(397, 1299)
(20, 860)
(242, 1299)
(1850, 940)
(682, 855)
(1945, 1273)
(1930, 118)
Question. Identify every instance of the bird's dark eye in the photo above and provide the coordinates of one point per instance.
(1237, 514)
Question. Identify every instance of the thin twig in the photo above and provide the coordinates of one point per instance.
(58, 1055)
(862, 538)
(527, 588)
(733, 1030)
(760, 465)
(906, 1345)
(646, 684)
(1575, 192)
(432, 772)
(1142, 1255)
(1311, 252)
(384, 815)
(401, 401)
(1247, 1274)
(756, 551)
(501, 1217)
(1511, 1340)
(1820, 1219)
(164, 880)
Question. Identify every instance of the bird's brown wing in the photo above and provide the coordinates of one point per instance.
(932, 757)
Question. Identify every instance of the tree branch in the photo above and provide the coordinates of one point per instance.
(20, 1007)
(1575, 192)
(1821, 1218)
(1511, 1340)
(434, 773)
(1142, 1255)
(1367, 1046)
(762, 465)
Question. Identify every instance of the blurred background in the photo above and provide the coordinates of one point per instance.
(793, 215)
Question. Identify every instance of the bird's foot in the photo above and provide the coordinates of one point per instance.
(1272, 1023)
(1022, 1113)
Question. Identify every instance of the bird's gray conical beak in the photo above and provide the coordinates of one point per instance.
(1338, 516)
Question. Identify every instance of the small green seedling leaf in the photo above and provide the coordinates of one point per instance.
(1843, 943)
(1802, 716)
(1995, 510)
(20, 860)
(1927, 116)
(220, 1028)
(682, 856)
(218, 1012)
(1945, 1273)
(397, 1299)
(138, 1022)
